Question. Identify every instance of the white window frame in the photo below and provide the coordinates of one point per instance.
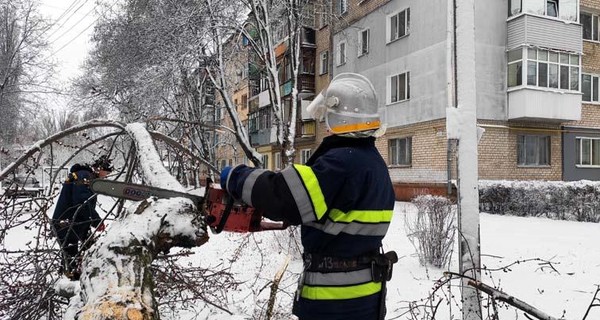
(342, 53)
(395, 156)
(324, 61)
(533, 141)
(265, 161)
(363, 44)
(595, 27)
(515, 62)
(389, 89)
(579, 149)
(393, 36)
(278, 163)
(557, 8)
(343, 6)
(537, 57)
(305, 155)
(594, 88)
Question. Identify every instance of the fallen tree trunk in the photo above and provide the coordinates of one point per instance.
(116, 281)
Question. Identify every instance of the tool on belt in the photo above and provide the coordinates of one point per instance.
(219, 210)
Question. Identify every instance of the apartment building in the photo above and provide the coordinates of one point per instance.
(261, 127)
(537, 68)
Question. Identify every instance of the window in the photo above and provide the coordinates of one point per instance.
(343, 6)
(561, 9)
(400, 151)
(341, 53)
(587, 151)
(515, 67)
(265, 161)
(399, 87)
(552, 8)
(278, 161)
(548, 69)
(590, 23)
(324, 14)
(533, 150)
(305, 155)
(324, 59)
(590, 87)
(514, 7)
(363, 42)
(244, 101)
(398, 25)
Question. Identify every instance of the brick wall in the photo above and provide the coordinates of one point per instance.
(498, 152)
(590, 3)
(428, 152)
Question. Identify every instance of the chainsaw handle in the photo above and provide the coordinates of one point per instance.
(225, 215)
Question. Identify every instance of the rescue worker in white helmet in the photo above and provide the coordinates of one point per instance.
(343, 199)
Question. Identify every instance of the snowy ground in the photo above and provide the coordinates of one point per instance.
(566, 290)
(563, 288)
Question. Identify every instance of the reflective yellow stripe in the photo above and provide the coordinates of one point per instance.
(351, 127)
(340, 293)
(366, 216)
(314, 189)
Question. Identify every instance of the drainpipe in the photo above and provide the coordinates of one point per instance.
(450, 84)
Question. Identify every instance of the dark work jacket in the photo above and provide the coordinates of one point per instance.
(344, 199)
(76, 202)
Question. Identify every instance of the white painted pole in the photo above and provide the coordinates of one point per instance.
(468, 176)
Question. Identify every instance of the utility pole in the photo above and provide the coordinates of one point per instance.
(462, 125)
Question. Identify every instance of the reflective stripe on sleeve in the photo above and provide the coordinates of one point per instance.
(249, 184)
(303, 196)
(340, 293)
(314, 189)
(337, 278)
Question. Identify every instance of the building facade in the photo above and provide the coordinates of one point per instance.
(537, 83)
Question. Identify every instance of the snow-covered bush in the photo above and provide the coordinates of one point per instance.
(432, 229)
(578, 201)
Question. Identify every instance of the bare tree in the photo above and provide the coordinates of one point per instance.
(23, 69)
(268, 26)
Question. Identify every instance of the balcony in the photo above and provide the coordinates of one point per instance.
(535, 104)
(544, 32)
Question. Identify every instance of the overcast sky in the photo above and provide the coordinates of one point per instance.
(69, 36)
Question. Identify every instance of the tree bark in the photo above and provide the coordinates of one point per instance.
(116, 280)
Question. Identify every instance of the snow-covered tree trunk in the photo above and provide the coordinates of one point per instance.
(116, 281)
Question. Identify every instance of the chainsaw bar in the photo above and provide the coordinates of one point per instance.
(137, 192)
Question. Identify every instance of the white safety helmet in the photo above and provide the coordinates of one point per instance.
(349, 105)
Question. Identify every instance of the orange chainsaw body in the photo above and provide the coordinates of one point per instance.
(241, 218)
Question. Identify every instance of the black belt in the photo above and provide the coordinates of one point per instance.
(320, 263)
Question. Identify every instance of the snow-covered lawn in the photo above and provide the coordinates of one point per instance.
(564, 286)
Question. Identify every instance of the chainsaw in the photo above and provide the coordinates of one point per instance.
(219, 210)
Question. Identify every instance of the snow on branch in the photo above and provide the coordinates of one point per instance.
(44, 142)
(117, 280)
(513, 301)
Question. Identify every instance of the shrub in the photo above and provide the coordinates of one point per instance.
(432, 229)
(578, 201)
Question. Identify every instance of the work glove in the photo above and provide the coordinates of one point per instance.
(224, 174)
